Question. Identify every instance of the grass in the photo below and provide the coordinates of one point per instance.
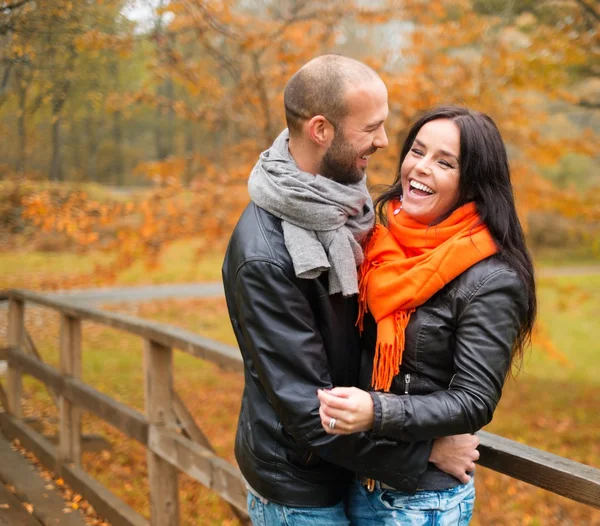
(581, 255)
(568, 309)
(47, 270)
(552, 404)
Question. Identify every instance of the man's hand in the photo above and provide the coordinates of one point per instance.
(456, 455)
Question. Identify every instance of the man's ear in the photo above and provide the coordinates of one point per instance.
(320, 131)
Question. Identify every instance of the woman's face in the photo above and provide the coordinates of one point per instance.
(430, 172)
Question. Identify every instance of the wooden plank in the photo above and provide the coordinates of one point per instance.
(90, 442)
(192, 430)
(48, 504)
(69, 447)
(43, 372)
(124, 418)
(12, 512)
(30, 345)
(201, 464)
(121, 416)
(163, 477)
(559, 475)
(225, 356)
(106, 503)
(14, 428)
(3, 397)
(14, 380)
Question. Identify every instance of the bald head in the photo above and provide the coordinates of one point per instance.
(319, 88)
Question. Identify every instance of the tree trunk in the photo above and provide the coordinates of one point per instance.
(56, 162)
(119, 167)
(158, 132)
(170, 94)
(22, 154)
(164, 134)
(92, 148)
(75, 146)
(118, 160)
(189, 151)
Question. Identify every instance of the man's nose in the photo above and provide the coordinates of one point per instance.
(381, 140)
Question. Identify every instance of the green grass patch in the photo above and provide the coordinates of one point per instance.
(568, 311)
(179, 263)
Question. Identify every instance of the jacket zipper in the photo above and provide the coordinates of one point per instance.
(406, 383)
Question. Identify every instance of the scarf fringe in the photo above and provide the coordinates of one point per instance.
(388, 356)
(363, 277)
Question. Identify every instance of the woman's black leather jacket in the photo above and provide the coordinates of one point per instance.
(456, 357)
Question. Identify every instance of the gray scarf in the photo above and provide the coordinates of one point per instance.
(323, 221)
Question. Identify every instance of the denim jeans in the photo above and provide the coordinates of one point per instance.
(272, 514)
(382, 507)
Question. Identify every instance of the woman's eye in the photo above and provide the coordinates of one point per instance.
(416, 152)
(446, 164)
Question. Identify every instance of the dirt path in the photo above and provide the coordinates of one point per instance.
(215, 289)
(556, 272)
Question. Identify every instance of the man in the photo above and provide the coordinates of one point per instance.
(290, 282)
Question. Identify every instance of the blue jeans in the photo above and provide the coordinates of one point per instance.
(382, 507)
(272, 514)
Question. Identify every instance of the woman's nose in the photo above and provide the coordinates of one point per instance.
(423, 166)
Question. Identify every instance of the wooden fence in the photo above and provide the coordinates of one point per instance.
(173, 440)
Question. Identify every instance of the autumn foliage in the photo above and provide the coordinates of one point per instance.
(214, 73)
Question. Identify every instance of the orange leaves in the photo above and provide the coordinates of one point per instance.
(542, 338)
(166, 172)
(95, 41)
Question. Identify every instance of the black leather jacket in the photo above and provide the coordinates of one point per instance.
(295, 338)
(456, 356)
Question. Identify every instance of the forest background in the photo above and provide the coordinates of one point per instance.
(128, 132)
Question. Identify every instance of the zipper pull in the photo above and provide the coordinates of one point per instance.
(406, 383)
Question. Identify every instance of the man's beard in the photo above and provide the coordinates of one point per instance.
(339, 162)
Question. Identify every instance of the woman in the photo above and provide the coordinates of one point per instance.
(448, 303)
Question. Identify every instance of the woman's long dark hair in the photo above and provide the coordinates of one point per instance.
(484, 179)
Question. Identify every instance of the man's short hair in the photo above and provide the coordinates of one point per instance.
(319, 88)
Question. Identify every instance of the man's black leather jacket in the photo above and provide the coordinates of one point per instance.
(295, 338)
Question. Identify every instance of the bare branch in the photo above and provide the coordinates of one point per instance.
(589, 9)
(589, 104)
(14, 5)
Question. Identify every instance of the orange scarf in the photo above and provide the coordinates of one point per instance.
(405, 265)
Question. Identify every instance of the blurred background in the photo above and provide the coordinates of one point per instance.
(128, 132)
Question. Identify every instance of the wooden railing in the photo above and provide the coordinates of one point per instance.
(173, 440)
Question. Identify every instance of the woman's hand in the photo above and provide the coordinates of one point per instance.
(351, 408)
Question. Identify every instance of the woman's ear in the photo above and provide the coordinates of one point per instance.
(320, 131)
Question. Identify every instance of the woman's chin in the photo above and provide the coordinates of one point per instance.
(417, 213)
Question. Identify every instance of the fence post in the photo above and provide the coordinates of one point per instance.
(163, 477)
(69, 449)
(16, 333)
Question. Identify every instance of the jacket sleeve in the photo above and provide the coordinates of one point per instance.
(286, 356)
(485, 333)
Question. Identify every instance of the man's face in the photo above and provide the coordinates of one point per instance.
(359, 135)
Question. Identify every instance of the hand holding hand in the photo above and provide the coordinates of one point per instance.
(350, 407)
(456, 455)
